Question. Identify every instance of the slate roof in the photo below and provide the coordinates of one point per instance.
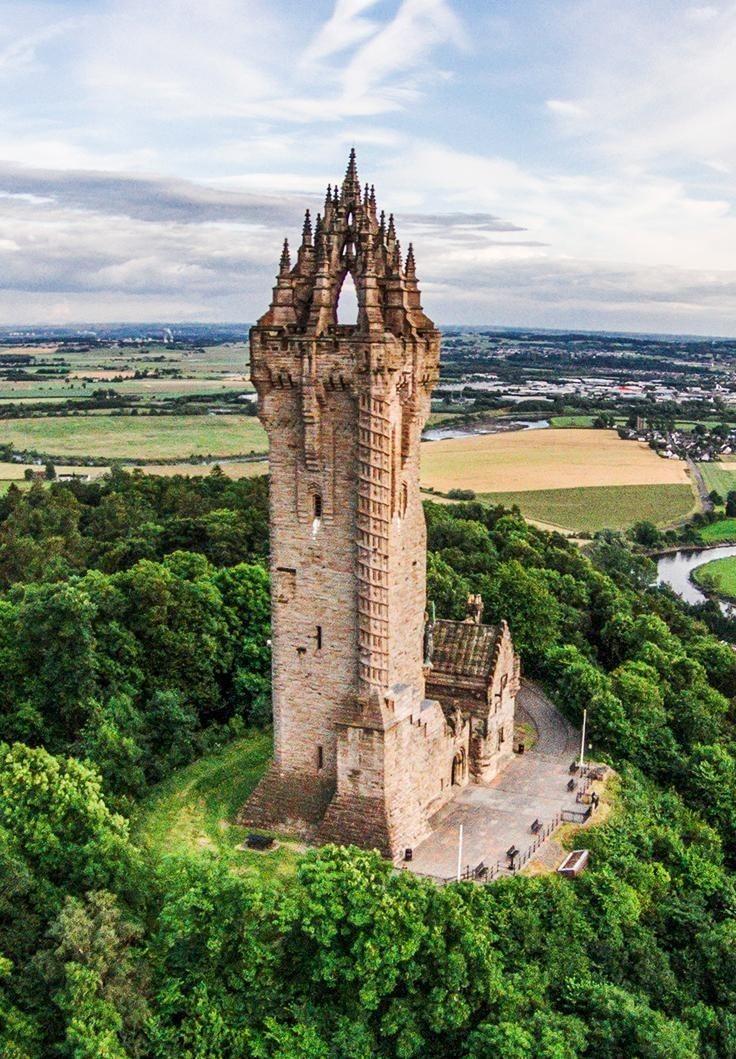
(464, 649)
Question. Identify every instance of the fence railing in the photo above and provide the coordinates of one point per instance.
(523, 858)
(487, 873)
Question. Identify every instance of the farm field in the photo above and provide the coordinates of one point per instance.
(718, 576)
(591, 508)
(719, 476)
(6, 483)
(725, 530)
(241, 469)
(137, 437)
(164, 371)
(540, 459)
(565, 422)
(15, 472)
(191, 812)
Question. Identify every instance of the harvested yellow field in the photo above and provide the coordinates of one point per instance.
(15, 472)
(103, 373)
(232, 469)
(544, 459)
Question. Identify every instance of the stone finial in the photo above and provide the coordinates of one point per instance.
(307, 229)
(351, 183)
(285, 262)
(474, 609)
(411, 266)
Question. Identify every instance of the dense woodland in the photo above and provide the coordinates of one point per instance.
(134, 637)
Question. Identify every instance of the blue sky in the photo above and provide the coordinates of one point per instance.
(558, 164)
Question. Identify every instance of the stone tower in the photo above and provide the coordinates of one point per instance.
(344, 406)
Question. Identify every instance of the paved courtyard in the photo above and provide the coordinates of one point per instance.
(498, 815)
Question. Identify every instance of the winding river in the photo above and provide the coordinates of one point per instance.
(450, 433)
(674, 570)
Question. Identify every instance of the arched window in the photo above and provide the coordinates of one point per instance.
(346, 308)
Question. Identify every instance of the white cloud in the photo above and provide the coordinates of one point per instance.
(661, 90)
(703, 13)
(565, 107)
(619, 201)
(342, 30)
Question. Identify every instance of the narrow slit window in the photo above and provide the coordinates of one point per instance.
(318, 637)
(320, 758)
(317, 500)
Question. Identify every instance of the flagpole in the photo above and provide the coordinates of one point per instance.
(582, 739)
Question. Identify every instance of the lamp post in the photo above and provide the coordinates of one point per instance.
(459, 852)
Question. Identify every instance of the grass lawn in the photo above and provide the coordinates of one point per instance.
(544, 459)
(143, 437)
(564, 422)
(725, 530)
(5, 484)
(435, 418)
(718, 576)
(594, 508)
(192, 811)
(719, 476)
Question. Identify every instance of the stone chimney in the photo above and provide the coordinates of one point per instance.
(474, 610)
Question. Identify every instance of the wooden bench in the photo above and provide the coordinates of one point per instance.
(536, 826)
(572, 784)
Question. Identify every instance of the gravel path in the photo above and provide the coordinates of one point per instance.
(555, 735)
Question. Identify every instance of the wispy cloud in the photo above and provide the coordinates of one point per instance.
(152, 156)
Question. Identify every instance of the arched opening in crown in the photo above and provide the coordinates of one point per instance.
(346, 302)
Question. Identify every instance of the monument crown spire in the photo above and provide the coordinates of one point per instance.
(349, 238)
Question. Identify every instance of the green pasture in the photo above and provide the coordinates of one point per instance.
(192, 812)
(5, 484)
(719, 476)
(717, 532)
(717, 576)
(565, 422)
(56, 390)
(593, 508)
(137, 437)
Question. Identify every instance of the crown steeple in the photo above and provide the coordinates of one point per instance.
(349, 236)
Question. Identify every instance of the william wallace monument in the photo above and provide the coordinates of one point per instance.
(363, 754)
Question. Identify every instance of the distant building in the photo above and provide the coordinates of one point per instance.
(72, 476)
